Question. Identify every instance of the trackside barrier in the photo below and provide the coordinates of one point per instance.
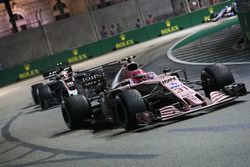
(168, 26)
(75, 55)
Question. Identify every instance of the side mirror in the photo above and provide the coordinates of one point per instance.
(166, 70)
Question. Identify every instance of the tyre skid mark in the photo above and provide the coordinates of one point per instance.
(19, 157)
(80, 155)
(9, 149)
(43, 162)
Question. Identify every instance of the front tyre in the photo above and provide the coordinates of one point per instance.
(44, 95)
(75, 110)
(127, 104)
(215, 78)
(35, 92)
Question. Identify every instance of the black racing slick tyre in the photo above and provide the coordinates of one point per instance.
(75, 110)
(44, 95)
(35, 92)
(127, 104)
(215, 78)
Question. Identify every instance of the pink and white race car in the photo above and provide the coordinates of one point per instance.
(135, 97)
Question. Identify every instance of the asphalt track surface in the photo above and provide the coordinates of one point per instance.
(31, 137)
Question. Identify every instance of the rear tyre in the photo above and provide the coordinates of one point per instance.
(215, 78)
(75, 110)
(35, 93)
(44, 95)
(127, 104)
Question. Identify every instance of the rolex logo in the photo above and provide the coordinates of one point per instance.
(122, 37)
(211, 10)
(75, 52)
(27, 67)
(168, 23)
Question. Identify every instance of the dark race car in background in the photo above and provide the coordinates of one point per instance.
(126, 94)
(59, 82)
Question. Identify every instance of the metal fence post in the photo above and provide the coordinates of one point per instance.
(188, 7)
(48, 45)
(92, 20)
(140, 12)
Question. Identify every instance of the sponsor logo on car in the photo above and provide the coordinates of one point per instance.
(175, 85)
(169, 80)
(91, 80)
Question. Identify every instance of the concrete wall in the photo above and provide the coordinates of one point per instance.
(32, 44)
(124, 13)
(158, 8)
(70, 33)
(21, 47)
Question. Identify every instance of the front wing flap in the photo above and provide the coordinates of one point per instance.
(171, 112)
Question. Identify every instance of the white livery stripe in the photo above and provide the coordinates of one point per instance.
(168, 112)
(218, 96)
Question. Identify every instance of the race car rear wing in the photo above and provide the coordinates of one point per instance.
(52, 73)
(98, 78)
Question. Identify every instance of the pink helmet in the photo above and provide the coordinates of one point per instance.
(138, 75)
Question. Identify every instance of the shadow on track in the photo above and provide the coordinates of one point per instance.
(96, 128)
(38, 109)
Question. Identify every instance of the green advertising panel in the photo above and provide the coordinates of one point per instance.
(123, 40)
(18, 73)
(1, 79)
(9, 76)
(91, 50)
(168, 26)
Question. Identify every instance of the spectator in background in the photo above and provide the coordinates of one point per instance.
(60, 6)
(200, 3)
(119, 29)
(150, 20)
(213, 2)
(112, 30)
(182, 8)
(193, 5)
(104, 32)
(138, 23)
(2, 67)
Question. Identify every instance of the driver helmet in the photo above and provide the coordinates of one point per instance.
(138, 75)
(63, 75)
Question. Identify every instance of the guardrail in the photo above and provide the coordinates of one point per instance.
(35, 67)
